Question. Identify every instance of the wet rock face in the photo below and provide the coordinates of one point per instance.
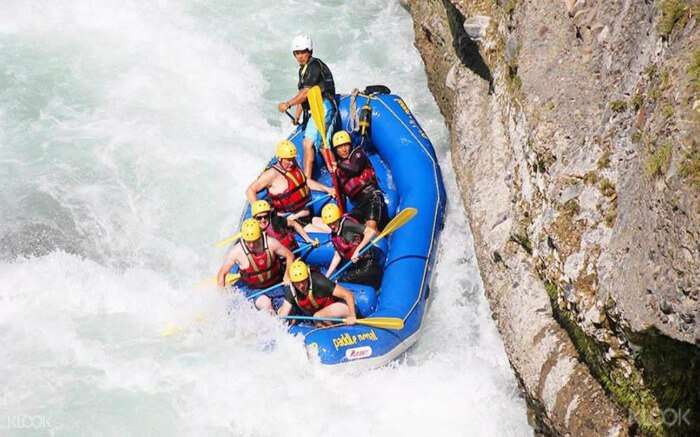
(575, 139)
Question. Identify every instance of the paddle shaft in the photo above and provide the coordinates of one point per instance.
(315, 319)
(294, 120)
(318, 113)
(375, 322)
(310, 202)
(238, 235)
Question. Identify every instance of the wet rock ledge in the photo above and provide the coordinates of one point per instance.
(575, 130)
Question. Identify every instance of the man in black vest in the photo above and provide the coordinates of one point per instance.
(312, 71)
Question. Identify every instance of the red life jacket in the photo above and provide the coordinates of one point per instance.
(284, 235)
(297, 194)
(345, 248)
(352, 185)
(265, 268)
(309, 303)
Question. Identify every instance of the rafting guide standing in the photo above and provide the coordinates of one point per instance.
(312, 71)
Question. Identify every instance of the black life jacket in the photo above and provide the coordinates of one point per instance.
(327, 84)
(310, 303)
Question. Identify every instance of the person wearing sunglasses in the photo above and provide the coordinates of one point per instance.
(278, 227)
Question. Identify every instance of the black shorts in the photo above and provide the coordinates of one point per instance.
(370, 206)
(368, 270)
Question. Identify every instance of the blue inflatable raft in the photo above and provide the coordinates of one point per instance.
(409, 175)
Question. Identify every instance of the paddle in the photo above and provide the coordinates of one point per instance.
(318, 113)
(401, 219)
(376, 322)
(235, 237)
(265, 290)
(294, 120)
(228, 240)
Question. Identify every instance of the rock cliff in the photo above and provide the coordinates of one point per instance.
(575, 137)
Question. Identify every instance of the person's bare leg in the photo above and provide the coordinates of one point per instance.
(336, 309)
(308, 157)
(317, 225)
(263, 303)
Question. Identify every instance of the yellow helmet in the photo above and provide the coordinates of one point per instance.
(259, 207)
(250, 230)
(341, 137)
(298, 271)
(286, 149)
(330, 213)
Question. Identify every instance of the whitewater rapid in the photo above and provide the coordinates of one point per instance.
(128, 132)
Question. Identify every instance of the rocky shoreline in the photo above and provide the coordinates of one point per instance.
(575, 137)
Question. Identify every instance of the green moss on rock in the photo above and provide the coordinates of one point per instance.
(658, 161)
(673, 12)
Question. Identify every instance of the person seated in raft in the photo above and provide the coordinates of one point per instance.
(259, 259)
(278, 227)
(349, 237)
(358, 181)
(312, 294)
(287, 187)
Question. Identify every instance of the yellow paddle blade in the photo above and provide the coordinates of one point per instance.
(206, 282)
(382, 322)
(318, 112)
(232, 278)
(228, 240)
(401, 219)
(170, 330)
(209, 282)
(173, 329)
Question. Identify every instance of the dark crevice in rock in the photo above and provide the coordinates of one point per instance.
(466, 49)
(663, 398)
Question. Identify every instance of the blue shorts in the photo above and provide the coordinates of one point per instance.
(311, 132)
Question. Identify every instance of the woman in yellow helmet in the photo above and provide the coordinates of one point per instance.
(287, 187)
(358, 181)
(259, 262)
(312, 294)
(349, 237)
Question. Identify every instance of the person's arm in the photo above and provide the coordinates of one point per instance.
(343, 293)
(312, 77)
(297, 114)
(226, 267)
(262, 182)
(299, 214)
(367, 235)
(317, 186)
(334, 263)
(278, 249)
(300, 230)
(298, 99)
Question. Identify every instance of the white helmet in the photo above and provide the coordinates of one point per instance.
(302, 42)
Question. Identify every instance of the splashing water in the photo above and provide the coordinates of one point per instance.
(128, 132)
